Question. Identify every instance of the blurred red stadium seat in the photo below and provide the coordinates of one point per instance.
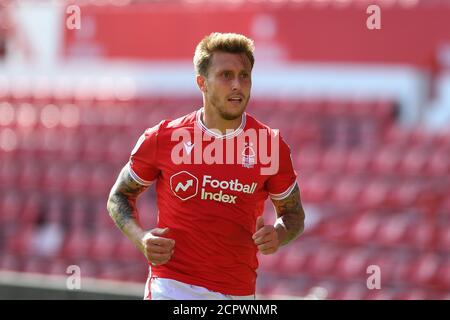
(103, 244)
(292, 260)
(30, 176)
(352, 264)
(443, 237)
(10, 262)
(411, 294)
(35, 264)
(386, 160)
(358, 161)
(363, 228)
(53, 177)
(317, 187)
(58, 267)
(392, 231)
(101, 218)
(386, 261)
(10, 207)
(9, 171)
(125, 250)
(269, 265)
(77, 244)
(21, 243)
(438, 164)
(404, 194)
(333, 160)
(346, 191)
(421, 235)
(31, 209)
(76, 213)
(322, 261)
(351, 291)
(442, 275)
(380, 294)
(413, 161)
(375, 193)
(425, 269)
(308, 159)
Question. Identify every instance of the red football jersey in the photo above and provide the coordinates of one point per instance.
(210, 190)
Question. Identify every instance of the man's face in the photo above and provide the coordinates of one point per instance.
(228, 84)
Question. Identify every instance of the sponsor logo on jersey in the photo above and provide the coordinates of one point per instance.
(223, 186)
(184, 185)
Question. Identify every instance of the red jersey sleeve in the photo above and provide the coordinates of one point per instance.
(281, 184)
(143, 166)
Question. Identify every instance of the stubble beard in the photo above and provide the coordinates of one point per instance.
(224, 114)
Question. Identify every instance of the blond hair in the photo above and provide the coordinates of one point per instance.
(223, 42)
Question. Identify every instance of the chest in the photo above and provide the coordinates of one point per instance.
(211, 170)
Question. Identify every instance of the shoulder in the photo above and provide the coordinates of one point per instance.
(185, 121)
(274, 137)
(254, 123)
(258, 125)
(166, 126)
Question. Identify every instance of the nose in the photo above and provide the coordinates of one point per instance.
(235, 85)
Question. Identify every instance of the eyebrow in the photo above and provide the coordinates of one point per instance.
(230, 70)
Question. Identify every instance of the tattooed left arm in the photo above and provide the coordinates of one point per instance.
(290, 222)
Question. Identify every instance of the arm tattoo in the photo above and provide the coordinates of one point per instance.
(290, 214)
(122, 199)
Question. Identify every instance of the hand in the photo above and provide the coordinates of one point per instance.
(266, 237)
(157, 249)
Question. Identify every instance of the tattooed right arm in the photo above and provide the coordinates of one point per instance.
(122, 207)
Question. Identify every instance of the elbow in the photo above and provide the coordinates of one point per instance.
(301, 229)
(301, 222)
(111, 202)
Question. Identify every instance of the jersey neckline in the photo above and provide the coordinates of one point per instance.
(216, 135)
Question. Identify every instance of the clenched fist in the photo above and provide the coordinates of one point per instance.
(158, 249)
(266, 237)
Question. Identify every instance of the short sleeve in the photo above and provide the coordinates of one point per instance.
(281, 184)
(143, 165)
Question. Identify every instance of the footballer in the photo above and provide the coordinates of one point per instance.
(213, 170)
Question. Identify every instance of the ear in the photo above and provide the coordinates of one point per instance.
(201, 82)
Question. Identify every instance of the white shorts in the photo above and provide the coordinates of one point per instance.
(169, 289)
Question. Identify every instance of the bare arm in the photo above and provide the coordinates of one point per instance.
(291, 216)
(288, 226)
(122, 209)
(122, 206)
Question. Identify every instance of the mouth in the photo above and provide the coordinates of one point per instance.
(236, 99)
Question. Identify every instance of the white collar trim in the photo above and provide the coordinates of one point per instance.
(218, 135)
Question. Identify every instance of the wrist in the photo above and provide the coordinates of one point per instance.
(281, 230)
(136, 234)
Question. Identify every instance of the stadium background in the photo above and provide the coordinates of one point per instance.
(366, 113)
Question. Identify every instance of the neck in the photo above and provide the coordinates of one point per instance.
(213, 121)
